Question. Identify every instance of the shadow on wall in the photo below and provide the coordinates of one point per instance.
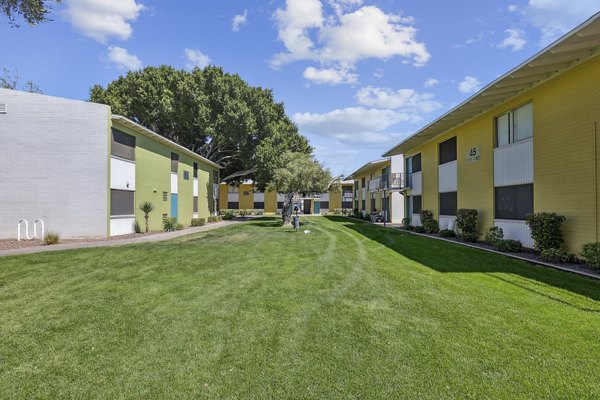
(453, 258)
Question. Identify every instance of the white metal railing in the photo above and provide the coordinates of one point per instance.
(216, 190)
(35, 224)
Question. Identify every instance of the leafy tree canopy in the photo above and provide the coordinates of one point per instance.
(32, 11)
(298, 173)
(213, 113)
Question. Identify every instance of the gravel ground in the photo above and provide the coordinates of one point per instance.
(10, 244)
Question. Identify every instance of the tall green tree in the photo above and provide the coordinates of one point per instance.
(297, 174)
(213, 113)
(32, 11)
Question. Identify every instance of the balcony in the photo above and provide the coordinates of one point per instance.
(387, 182)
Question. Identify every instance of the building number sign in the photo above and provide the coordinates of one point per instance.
(473, 155)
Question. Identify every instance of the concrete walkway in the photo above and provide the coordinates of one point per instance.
(118, 242)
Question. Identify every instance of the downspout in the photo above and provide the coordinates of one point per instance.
(596, 179)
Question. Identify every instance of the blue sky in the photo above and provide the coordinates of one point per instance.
(357, 76)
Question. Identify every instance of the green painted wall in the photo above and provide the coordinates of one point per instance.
(153, 177)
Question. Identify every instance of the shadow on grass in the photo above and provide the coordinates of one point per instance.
(449, 257)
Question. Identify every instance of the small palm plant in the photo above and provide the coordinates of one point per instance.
(146, 207)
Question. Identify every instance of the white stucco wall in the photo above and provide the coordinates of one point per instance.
(54, 163)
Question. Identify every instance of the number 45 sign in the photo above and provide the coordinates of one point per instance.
(473, 155)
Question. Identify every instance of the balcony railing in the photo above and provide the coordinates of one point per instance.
(387, 182)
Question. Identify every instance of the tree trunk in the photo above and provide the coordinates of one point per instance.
(286, 211)
(146, 217)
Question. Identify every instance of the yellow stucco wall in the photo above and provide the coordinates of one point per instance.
(566, 114)
(368, 175)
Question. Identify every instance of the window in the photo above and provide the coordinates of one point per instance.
(195, 170)
(514, 125)
(514, 202)
(325, 205)
(448, 203)
(186, 175)
(364, 205)
(447, 151)
(233, 205)
(280, 205)
(122, 202)
(165, 196)
(417, 205)
(373, 204)
(416, 163)
(362, 182)
(174, 162)
(122, 145)
(195, 204)
(346, 204)
(259, 205)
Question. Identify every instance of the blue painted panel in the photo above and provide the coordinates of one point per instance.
(174, 205)
(317, 208)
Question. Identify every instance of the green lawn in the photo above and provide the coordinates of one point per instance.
(258, 311)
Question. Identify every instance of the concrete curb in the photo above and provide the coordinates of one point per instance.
(118, 242)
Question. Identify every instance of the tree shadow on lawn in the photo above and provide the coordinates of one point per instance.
(449, 257)
(275, 222)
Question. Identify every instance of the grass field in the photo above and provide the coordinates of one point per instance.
(258, 311)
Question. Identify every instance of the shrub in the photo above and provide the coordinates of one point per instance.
(179, 227)
(466, 220)
(494, 234)
(213, 218)
(199, 221)
(170, 224)
(243, 213)
(51, 238)
(509, 245)
(545, 230)
(426, 215)
(410, 228)
(591, 254)
(136, 227)
(260, 212)
(447, 233)
(558, 256)
(419, 229)
(431, 226)
(146, 207)
(405, 223)
(228, 216)
(468, 236)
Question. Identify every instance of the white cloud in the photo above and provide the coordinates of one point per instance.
(103, 19)
(556, 17)
(358, 124)
(514, 39)
(331, 76)
(341, 6)
(379, 73)
(123, 59)
(431, 82)
(512, 8)
(340, 41)
(195, 58)
(469, 85)
(238, 21)
(404, 100)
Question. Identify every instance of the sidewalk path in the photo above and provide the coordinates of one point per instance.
(118, 242)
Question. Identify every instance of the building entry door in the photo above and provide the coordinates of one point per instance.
(317, 207)
(307, 206)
